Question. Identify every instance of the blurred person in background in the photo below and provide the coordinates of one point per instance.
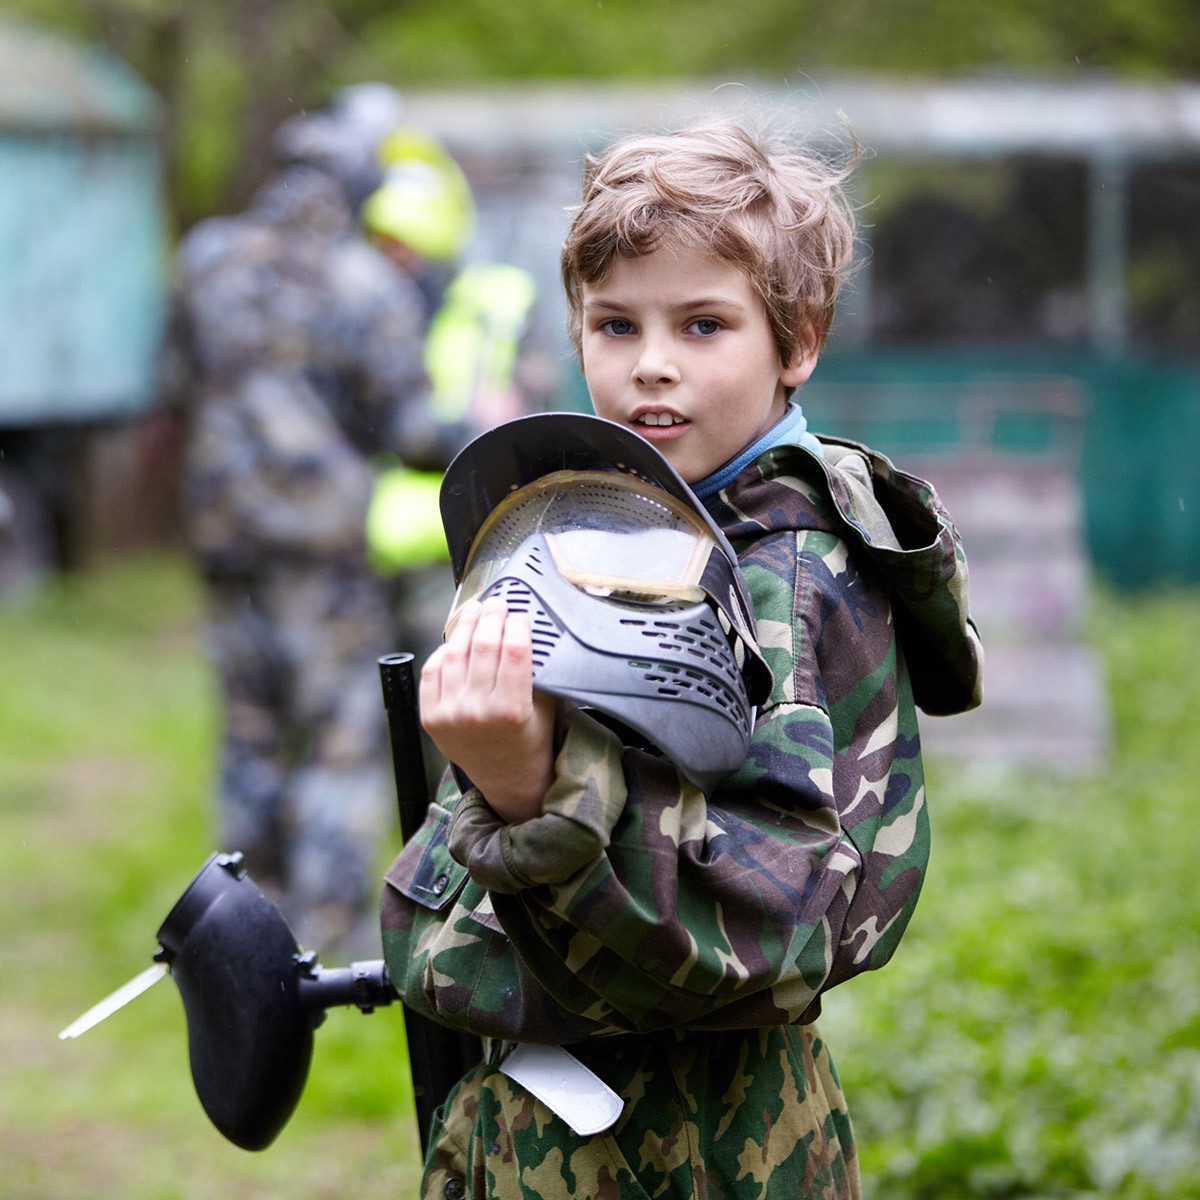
(422, 216)
(297, 348)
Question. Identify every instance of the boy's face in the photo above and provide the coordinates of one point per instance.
(677, 346)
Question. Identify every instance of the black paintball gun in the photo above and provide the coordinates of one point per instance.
(253, 1000)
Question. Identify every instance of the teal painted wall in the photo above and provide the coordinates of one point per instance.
(83, 253)
(1129, 425)
(82, 276)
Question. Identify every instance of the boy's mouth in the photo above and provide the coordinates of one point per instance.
(659, 419)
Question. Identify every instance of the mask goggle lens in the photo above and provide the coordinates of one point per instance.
(610, 535)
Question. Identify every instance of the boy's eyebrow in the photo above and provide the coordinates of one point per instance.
(688, 305)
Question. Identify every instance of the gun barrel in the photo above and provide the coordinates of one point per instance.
(404, 730)
(439, 1057)
(364, 984)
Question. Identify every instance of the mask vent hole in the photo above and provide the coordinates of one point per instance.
(699, 642)
(545, 634)
(673, 681)
(533, 560)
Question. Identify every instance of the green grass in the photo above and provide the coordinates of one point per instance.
(1038, 1034)
(107, 735)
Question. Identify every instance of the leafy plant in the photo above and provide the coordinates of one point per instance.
(229, 71)
(1038, 1033)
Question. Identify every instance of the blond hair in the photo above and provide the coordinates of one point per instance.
(777, 212)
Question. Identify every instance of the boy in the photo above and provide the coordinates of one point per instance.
(684, 960)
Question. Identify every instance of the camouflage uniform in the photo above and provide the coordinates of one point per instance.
(303, 349)
(679, 944)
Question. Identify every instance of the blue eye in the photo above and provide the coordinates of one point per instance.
(705, 326)
(617, 326)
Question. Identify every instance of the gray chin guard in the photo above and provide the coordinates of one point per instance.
(668, 673)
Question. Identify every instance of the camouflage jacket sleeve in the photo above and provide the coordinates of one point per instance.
(635, 902)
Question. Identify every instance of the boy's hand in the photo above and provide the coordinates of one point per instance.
(479, 706)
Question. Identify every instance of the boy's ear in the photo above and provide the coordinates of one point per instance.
(799, 367)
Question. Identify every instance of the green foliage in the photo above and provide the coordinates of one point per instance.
(107, 750)
(229, 71)
(428, 42)
(1038, 1033)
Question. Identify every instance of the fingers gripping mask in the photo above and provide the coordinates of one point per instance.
(637, 608)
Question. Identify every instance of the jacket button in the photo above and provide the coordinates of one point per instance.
(440, 884)
(454, 1189)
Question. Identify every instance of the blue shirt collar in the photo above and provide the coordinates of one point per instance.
(791, 428)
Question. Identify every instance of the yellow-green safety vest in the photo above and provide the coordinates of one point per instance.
(472, 343)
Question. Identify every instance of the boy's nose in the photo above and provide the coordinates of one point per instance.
(655, 365)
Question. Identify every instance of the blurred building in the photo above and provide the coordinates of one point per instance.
(82, 290)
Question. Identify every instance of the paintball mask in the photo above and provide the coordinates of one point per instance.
(637, 607)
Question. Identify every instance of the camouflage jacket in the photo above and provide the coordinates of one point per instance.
(637, 906)
(297, 353)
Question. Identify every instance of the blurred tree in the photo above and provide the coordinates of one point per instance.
(229, 70)
(431, 42)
